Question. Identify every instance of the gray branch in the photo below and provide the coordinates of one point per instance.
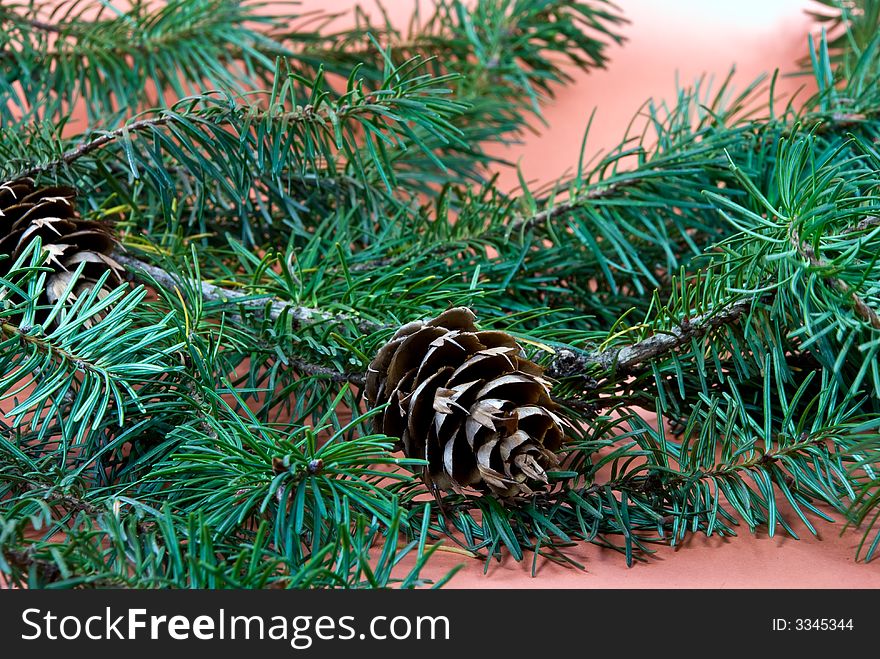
(862, 309)
(213, 293)
(567, 363)
(86, 148)
(333, 375)
(628, 359)
(520, 222)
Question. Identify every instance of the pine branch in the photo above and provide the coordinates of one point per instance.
(523, 223)
(66, 501)
(42, 25)
(302, 115)
(824, 122)
(567, 363)
(47, 347)
(48, 570)
(861, 308)
(90, 146)
(90, 346)
(333, 375)
(108, 58)
(274, 307)
(666, 276)
(25, 561)
(69, 502)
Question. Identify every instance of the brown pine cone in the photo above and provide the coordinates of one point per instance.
(27, 211)
(469, 403)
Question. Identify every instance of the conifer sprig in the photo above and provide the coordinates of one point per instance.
(287, 206)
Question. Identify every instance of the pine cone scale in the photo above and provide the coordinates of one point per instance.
(421, 404)
(469, 403)
(28, 212)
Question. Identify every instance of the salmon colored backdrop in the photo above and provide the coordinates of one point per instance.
(668, 41)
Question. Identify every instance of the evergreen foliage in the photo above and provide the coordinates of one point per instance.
(287, 194)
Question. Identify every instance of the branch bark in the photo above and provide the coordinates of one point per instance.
(213, 293)
(26, 561)
(567, 363)
(861, 308)
(307, 368)
(93, 145)
(628, 359)
(42, 25)
(519, 223)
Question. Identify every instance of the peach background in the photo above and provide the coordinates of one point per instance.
(676, 39)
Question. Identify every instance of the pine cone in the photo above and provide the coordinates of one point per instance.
(49, 212)
(469, 403)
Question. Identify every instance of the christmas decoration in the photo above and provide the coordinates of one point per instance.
(469, 403)
(295, 390)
